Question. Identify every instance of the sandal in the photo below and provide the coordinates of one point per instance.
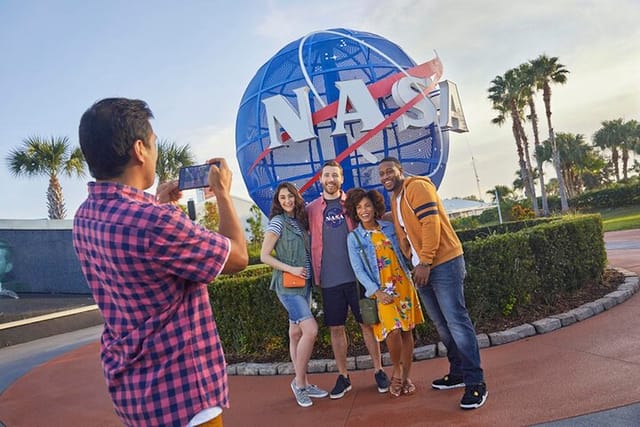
(395, 388)
(408, 387)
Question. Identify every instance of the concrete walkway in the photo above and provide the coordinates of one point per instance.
(586, 368)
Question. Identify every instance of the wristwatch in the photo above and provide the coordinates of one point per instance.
(424, 264)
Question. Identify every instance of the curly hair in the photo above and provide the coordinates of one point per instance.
(299, 212)
(355, 196)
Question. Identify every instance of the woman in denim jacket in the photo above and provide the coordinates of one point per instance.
(378, 264)
(286, 234)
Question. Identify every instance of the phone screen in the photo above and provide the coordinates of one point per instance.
(194, 177)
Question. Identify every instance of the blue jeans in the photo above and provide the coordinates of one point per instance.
(443, 299)
(298, 307)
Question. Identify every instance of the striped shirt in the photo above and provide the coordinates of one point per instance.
(148, 266)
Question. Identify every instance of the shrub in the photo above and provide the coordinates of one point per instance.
(518, 213)
(509, 267)
(611, 197)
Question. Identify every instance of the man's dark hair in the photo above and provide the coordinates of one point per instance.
(392, 160)
(107, 132)
(333, 163)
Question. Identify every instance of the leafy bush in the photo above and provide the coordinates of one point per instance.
(519, 213)
(506, 227)
(465, 223)
(611, 197)
(509, 267)
(499, 275)
(254, 255)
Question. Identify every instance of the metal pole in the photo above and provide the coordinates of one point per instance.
(499, 210)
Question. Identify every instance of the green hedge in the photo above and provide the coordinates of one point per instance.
(506, 227)
(611, 197)
(508, 267)
(535, 265)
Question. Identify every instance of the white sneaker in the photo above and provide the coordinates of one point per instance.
(301, 395)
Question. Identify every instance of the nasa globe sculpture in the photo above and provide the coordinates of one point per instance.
(346, 95)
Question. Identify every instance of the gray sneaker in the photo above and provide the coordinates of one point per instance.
(316, 392)
(301, 395)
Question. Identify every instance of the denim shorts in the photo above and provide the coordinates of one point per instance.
(298, 306)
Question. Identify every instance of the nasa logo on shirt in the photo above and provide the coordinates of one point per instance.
(334, 217)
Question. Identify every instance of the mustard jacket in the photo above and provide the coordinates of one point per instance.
(426, 223)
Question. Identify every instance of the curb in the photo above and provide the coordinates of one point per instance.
(59, 322)
(626, 290)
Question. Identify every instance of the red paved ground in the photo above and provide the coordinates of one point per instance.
(586, 367)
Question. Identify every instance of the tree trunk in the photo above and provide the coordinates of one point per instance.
(625, 162)
(555, 155)
(536, 141)
(523, 154)
(528, 180)
(614, 160)
(55, 199)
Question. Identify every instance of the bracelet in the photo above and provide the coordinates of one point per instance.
(424, 264)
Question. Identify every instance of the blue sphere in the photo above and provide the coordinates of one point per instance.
(317, 61)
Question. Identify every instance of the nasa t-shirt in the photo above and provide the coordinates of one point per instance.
(335, 268)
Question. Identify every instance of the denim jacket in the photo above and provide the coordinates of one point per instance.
(363, 259)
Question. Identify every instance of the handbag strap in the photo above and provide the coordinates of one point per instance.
(366, 260)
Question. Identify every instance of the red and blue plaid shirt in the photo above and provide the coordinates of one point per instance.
(148, 267)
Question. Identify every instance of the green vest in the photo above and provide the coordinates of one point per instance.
(292, 249)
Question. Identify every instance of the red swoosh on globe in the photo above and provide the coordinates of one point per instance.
(367, 136)
(377, 90)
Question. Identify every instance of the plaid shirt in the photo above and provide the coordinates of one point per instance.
(148, 265)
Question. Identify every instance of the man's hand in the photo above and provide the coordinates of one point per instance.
(421, 275)
(219, 177)
(168, 192)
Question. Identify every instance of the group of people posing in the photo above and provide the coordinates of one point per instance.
(341, 243)
(148, 266)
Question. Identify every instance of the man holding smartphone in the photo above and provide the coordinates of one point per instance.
(148, 267)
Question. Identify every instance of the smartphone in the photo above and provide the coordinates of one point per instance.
(195, 176)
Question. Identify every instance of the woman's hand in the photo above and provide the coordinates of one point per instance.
(383, 297)
(299, 271)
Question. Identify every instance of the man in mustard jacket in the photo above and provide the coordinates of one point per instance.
(427, 238)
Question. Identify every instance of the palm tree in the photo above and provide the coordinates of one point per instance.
(502, 192)
(518, 182)
(619, 137)
(582, 167)
(506, 96)
(171, 158)
(529, 85)
(51, 157)
(573, 151)
(546, 71)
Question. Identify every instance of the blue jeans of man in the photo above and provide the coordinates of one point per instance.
(443, 299)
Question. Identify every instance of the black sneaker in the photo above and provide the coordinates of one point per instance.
(343, 385)
(447, 382)
(382, 381)
(474, 396)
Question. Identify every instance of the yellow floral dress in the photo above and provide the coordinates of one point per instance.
(405, 311)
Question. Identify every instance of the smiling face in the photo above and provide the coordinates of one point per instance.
(287, 201)
(391, 176)
(366, 212)
(331, 180)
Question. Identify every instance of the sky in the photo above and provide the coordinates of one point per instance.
(192, 61)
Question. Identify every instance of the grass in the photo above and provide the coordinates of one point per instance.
(624, 218)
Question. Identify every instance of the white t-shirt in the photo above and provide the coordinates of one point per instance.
(415, 259)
